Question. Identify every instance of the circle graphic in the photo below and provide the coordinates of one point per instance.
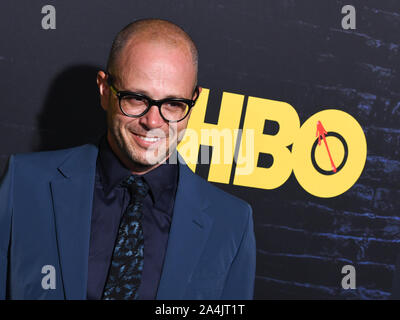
(313, 167)
(341, 165)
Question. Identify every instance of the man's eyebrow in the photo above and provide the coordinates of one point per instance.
(146, 93)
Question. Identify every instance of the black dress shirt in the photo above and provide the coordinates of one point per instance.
(109, 203)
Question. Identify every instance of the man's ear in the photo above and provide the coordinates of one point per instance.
(199, 91)
(104, 89)
(195, 98)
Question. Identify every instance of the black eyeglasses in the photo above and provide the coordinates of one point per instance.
(136, 105)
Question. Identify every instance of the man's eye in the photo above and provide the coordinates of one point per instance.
(176, 104)
(133, 99)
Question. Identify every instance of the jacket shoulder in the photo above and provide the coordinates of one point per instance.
(48, 160)
(225, 202)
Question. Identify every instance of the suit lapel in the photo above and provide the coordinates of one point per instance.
(189, 231)
(72, 194)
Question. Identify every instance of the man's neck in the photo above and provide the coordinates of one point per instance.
(135, 168)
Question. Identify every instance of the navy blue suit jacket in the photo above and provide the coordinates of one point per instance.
(45, 209)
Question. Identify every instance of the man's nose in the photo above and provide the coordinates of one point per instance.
(152, 119)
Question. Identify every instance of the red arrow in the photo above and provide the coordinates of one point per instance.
(322, 132)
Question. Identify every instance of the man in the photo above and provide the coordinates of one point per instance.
(121, 220)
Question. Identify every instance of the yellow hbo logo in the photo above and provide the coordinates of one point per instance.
(327, 156)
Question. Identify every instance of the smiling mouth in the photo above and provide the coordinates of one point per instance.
(145, 139)
(149, 139)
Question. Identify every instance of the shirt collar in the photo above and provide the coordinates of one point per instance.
(162, 179)
(113, 172)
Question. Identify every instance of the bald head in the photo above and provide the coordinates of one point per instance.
(150, 30)
(156, 59)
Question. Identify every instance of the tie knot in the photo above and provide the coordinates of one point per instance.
(137, 187)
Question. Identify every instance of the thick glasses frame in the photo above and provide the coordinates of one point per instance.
(151, 102)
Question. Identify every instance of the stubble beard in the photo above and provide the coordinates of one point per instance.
(144, 159)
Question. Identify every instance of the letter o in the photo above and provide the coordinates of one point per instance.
(317, 183)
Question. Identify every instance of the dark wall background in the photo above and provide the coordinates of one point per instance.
(287, 50)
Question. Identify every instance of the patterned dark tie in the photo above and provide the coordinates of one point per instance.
(127, 262)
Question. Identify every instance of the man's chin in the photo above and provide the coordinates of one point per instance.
(149, 159)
